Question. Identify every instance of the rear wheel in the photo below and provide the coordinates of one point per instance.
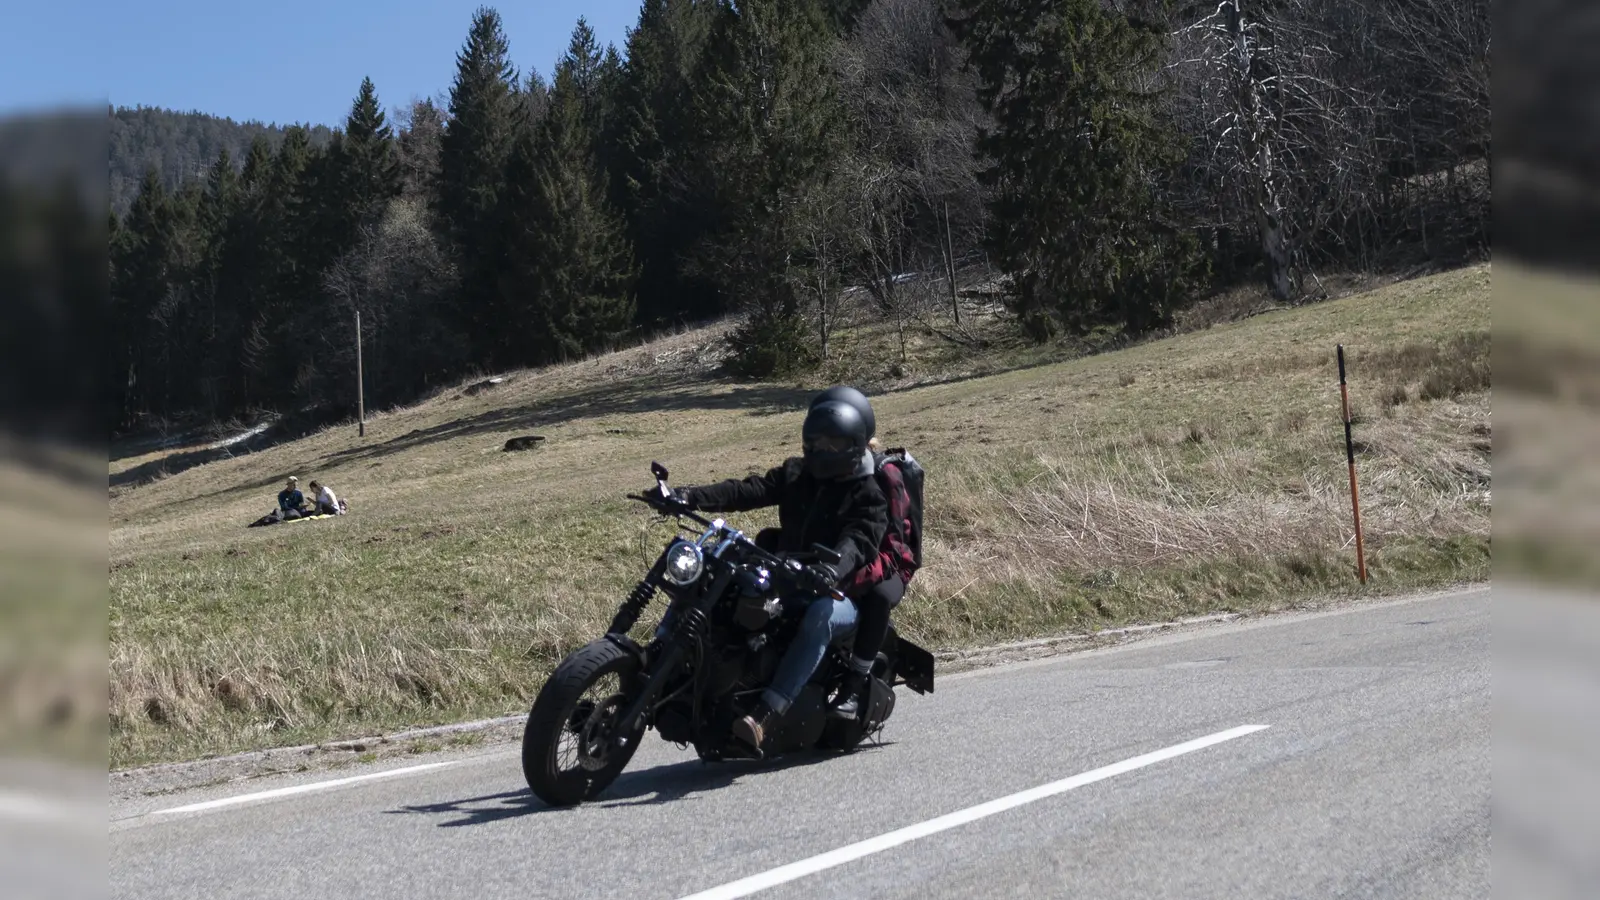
(568, 752)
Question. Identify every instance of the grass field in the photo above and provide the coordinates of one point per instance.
(1200, 473)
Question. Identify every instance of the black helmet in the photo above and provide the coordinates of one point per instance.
(849, 395)
(835, 438)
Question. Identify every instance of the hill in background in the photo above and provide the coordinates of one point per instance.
(181, 145)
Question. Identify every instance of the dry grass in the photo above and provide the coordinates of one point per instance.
(1198, 473)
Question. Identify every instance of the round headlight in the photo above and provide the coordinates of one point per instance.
(684, 564)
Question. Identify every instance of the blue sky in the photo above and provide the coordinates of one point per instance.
(276, 61)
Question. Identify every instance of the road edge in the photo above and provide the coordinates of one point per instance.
(177, 777)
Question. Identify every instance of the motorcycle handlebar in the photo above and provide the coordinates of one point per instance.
(661, 505)
(791, 567)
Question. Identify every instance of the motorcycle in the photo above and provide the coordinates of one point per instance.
(734, 606)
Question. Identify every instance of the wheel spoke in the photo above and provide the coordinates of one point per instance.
(600, 700)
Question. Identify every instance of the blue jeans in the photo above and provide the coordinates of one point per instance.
(826, 620)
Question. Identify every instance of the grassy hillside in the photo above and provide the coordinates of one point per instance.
(1200, 473)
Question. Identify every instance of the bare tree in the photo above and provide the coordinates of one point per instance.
(396, 275)
(1283, 137)
(1335, 132)
(915, 115)
(824, 216)
(1438, 52)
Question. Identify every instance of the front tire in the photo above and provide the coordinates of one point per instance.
(565, 754)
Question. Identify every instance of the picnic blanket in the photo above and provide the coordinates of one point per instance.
(273, 518)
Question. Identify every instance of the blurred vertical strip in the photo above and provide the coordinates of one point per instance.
(1547, 402)
(54, 304)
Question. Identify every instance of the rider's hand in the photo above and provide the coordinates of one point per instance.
(823, 578)
(666, 498)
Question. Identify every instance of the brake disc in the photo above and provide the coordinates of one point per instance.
(594, 738)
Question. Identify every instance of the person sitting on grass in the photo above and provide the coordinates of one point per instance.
(327, 503)
(291, 503)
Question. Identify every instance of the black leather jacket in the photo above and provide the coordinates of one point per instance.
(849, 515)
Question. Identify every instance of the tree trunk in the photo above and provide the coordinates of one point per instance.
(950, 266)
(1260, 164)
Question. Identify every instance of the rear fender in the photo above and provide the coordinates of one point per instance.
(913, 666)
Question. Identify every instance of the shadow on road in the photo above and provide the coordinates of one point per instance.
(662, 784)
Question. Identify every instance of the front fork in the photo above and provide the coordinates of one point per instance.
(633, 607)
(686, 631)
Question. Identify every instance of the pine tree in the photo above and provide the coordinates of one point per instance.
(245, 282)
(177, 333)
(294, 242)
(329, 212)
(583, 61)
(368, 167)
(143, 266)
(417, 151)
(652, 181)
(149, 230)
(1076, 153)
(154, 315)
(218, 206)
(842, 14)
(290, 205)
(767, 133)
(485, 115)
(607, 122)
(257, 166)
(218, 203)
(217, 324)
(535, 98)
(568, 279)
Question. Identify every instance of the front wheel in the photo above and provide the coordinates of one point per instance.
(568, 754)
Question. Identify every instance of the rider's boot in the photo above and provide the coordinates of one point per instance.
(752, 729)
(851, 696)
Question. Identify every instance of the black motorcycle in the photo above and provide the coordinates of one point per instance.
(734, 606)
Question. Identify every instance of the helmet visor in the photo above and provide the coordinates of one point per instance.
(829, 444)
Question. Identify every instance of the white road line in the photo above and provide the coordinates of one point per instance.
(783, 874)
(303, 788)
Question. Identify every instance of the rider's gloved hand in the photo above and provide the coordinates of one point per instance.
(823, 578)
(667, 498)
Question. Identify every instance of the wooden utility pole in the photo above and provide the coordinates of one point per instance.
(361, 391)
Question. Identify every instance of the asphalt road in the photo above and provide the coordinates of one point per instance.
(1371, 778)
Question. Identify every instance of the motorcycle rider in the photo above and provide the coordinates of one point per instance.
(827, 496)
(875, 587)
